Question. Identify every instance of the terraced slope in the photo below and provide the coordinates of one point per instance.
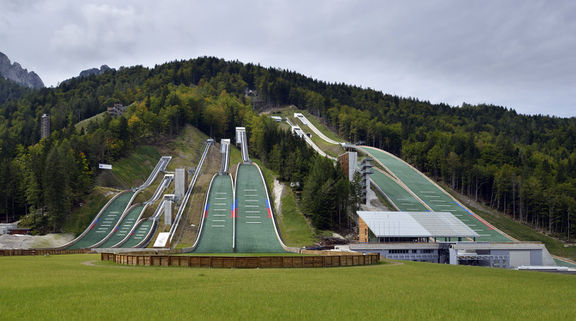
(255, 229)
(218, 224)
(434, 196)
(99, 229)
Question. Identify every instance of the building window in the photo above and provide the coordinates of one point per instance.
(398, 251)
(427, 251)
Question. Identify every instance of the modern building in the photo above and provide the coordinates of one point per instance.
(45, 126)
(439, 237)
(349, 164)
(387, 227)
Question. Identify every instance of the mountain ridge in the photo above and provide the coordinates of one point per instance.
(14, 72)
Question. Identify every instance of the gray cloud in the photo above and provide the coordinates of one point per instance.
(519, 54)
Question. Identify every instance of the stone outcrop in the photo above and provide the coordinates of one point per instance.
(19, 75)
(94, 71)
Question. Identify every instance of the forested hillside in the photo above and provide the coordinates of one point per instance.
(522, 165)
(10, 90)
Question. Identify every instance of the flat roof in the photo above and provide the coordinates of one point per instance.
(415, 224)
(393, 246)
(498, 246)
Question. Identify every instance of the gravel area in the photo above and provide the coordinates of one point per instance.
(278, 189)
(32, 241)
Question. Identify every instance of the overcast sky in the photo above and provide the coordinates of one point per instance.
(516, 53)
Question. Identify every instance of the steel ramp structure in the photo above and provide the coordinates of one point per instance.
(238, 217)
(216, 232)
(433, 196)
(112, 213)
(104, 222)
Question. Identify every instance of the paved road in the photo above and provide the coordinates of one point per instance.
(255, 229)
(217, 229)
(99, 229)
(434, 196)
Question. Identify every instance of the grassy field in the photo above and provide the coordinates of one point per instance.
(289, 112)
(330, 149)
(63, 288)
(86, 122)
(292, 225)
(131, 171)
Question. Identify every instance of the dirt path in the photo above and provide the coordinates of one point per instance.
(92, 263)
(278, 189)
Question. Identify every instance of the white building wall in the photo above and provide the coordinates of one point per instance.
(519, 258)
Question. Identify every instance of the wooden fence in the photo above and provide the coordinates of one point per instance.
(243, 261)
(24, 252)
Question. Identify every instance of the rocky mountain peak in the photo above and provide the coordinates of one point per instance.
(94, 71)
(17, 74)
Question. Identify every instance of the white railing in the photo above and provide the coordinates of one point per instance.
(188, 192)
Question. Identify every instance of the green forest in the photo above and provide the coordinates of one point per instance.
(522, 165)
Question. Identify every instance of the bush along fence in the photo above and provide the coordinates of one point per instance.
(243, 262)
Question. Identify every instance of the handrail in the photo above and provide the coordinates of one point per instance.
(161, 188)
(225, 158)
(127, 210)
(272, 210)
(188, 192)
(201, 227)
(160, 166)
(234, 210)
(244, 143)
(74, 241)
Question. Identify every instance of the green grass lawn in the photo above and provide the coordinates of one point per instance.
(330, 149)
(131, 171)
(62, 288)
(314, 120)
(86, 122)
(321, 127)
(291, 224)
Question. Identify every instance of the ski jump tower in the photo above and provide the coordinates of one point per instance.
(241, 139)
